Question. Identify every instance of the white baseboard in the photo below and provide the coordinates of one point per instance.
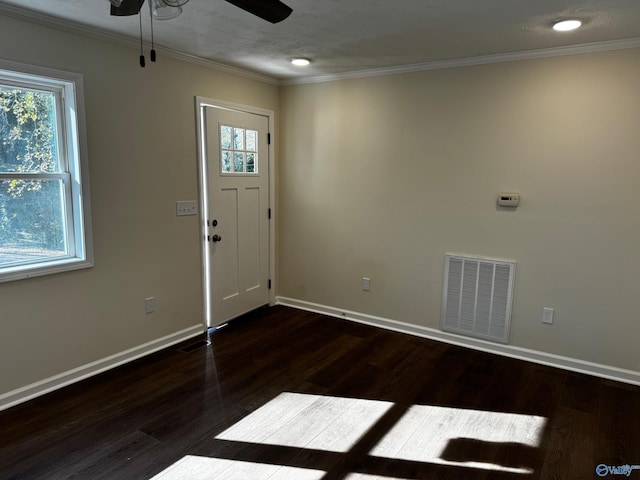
(566, 363)
(55, 382)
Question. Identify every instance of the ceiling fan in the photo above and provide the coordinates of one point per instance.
(273, 11)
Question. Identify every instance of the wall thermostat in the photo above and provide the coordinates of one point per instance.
(508, 199)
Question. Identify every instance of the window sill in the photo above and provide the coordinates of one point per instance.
(23, 272)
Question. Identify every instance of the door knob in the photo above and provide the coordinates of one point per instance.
(216, 238)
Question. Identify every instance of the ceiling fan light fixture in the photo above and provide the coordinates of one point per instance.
(163, 11)
(176, 3)
(567, 25)
(300, 62)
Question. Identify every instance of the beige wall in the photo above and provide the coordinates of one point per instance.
(380, 177)
(377, 177)
(142, 159)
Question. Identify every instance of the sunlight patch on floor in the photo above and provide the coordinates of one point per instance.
(192, 467)
(308, 421)
(426, 434)
(436, 435)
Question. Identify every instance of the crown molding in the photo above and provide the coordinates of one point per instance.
(471, 61)
(58, 23)
(131, 42)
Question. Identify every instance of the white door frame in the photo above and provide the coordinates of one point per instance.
(201, 104)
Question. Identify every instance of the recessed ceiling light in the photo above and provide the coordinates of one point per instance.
(300, 62)
(567, 25)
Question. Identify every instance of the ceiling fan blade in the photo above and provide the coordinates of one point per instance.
(273, 11)
(127, 7)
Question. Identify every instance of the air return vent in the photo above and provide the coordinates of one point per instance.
(477, 297)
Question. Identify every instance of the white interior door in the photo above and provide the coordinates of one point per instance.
(237, 154)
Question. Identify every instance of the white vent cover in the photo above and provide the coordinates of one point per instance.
(477, 297)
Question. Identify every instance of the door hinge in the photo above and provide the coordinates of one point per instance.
(269, 284)
(269, 138)
(269, 213)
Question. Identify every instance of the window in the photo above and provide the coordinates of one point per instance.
(238, 150)
(44, 219)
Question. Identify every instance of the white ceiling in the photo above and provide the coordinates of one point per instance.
(341, 36)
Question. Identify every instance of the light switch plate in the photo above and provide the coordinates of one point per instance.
(186, 207)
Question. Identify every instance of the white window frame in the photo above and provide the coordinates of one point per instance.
(69, 90)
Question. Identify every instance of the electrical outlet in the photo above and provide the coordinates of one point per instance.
(547, 315)
(366, 284)
(149, 305)
(186, 208)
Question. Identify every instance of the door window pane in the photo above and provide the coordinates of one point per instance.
(226, 162)
(251, 165)
(238, 163)
(238, 150)
(225, 136)
(252, 140)
(238, 138)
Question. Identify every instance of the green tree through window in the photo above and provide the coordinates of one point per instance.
(30, 221)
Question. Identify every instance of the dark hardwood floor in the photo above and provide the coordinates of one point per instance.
(136, 421)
